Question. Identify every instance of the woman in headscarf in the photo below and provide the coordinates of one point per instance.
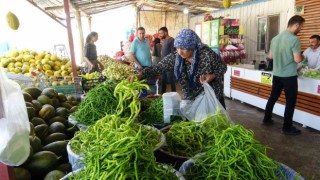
(193, 64)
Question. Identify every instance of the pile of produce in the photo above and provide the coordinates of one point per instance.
(234, 155)
(124, 154)
(114, 69)
(99, 101)
(188, 138)
(185, 139)
(48, 112)
(154, 113)
(311, 73)
(116, 147)
(26, 61)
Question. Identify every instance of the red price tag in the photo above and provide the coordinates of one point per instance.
(236, 72)
(318, 89)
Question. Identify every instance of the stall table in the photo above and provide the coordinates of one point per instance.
(254, 87)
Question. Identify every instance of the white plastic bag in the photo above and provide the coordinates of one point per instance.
(14, 123)
(204, 105)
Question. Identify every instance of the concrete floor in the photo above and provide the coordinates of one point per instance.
(301, 152)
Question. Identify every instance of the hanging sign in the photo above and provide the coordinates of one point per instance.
(318, 89)
(266, 78)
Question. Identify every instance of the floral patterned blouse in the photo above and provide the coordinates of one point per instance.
(209, 63)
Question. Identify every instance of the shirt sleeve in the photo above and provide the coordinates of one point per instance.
(87, 51)
(165, 65)
(133, 46)
(172, 46)
(296, 46)
(215, 65)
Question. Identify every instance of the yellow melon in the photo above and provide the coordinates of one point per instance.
(46, 67)
(226, 3)
(13, 21)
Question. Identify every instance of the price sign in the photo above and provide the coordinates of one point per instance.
(236, 73)
(266, 78)
(230, 30)
(318, 89)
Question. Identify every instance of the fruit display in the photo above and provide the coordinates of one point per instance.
(27, 62)
(114, 69)
(48, 112)
(311, 73)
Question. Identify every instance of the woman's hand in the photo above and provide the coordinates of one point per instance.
(139, 76)
(207, 78)
(92, 66)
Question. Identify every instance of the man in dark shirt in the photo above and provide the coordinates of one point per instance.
(167, 48)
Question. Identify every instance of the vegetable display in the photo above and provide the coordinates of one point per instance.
(185, 139)
(123, 155)
(118, 148)
(235, 155)
(114, 69)
(154, 113)
(311, 73)
(98, 102)
(190, 138)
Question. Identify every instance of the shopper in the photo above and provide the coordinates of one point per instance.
(167, 48)
(140, 50)
(156, 51)
(92, 64)
(312, 53)
(285, 51)
(191, 61)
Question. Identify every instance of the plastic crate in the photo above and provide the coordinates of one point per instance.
(67, 85)
(22, 80)
(88, 84)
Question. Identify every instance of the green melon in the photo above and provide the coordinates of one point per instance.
(34, 92)
(13, 21)
(27, 97)
(43, 99)
(22, 174)
(31, 112)
(57, 147)
(57, 127)
(55, 137)
(37, 121)
(42, 162)
(37, 105)
(50, 92)
(47, 112)
(62, 98)
(58, 119)
(62, 111)
(42, 131)
(54, 175)
(35, 143)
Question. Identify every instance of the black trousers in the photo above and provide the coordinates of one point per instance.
(290, 87)
(165, 77)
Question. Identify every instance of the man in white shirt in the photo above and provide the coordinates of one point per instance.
(312, 53)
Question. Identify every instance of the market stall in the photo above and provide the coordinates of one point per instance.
(254, 87)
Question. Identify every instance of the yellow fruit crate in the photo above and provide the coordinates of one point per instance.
(67, 85)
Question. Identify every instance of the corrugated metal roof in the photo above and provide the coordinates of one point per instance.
(54, 8)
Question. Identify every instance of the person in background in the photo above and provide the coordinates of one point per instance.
(193, 64)
(312, 53)
(156, 51)
(140, 50)
(92, 64)
(285, 50)
(167, 48)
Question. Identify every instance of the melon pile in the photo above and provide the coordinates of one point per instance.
(48, 112)
(26, 61)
